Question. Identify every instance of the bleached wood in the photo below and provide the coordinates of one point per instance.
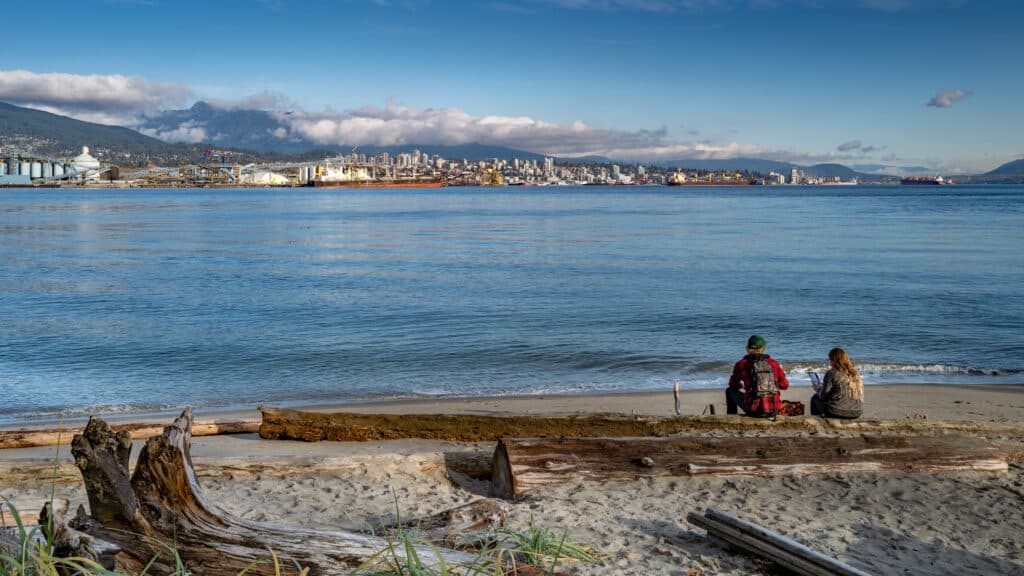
(780, 549)
(522, 465)
(163, 505)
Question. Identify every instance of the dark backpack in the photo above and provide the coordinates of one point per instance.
(762, 377)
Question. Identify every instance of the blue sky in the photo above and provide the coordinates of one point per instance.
(800, 80)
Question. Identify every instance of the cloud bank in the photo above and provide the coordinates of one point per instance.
(111, 99)
(126, 101)
(947, 98)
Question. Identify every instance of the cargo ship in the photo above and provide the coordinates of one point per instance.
(433, 183)
(925, 181)
(351, 176)
(680, 179)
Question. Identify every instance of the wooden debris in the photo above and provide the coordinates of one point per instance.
(162, 505)
(522, 465)
(55, 436)
(780, 549)
(287, 424)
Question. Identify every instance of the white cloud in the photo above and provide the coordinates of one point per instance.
(110, 99)
(947, 98)
(847, 146)
(189, 132)
(397, 124)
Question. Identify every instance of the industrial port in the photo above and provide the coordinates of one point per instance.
(221, 168)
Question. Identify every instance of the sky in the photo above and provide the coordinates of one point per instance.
(866, 83)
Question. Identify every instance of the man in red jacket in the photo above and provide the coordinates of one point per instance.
(755, 382)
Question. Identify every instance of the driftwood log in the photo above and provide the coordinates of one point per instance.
(522, 465)
(288, 424)
(162, 506)
(139, 431)
(760, 541)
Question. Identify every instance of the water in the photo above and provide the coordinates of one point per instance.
(140, 300)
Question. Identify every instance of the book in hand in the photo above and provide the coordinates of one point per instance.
(815, 381)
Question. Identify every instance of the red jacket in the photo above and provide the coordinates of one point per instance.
(740, 380)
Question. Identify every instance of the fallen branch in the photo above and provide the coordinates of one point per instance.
(780, 549)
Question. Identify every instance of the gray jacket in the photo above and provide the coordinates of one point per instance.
(835, 393)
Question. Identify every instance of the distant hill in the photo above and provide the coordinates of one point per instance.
(767, 166)
(227, 128)
(59, 136)
(1010, 173)
(261, 131)
(1014, 168)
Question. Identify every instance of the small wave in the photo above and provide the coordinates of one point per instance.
(897, 368)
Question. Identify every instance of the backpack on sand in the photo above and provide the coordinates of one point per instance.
(762, 377)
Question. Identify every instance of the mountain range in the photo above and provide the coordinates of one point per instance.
(258, 135)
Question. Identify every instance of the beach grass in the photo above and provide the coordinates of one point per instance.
(28, 551)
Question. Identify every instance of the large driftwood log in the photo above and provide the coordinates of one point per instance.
(521, 465)
(139, 431)
(162, 506)
(786, 552)
(288, 424)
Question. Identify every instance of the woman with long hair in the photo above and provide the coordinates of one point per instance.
(842, 391)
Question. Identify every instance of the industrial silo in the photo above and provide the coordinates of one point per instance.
(47, 170)
(12, 165)
(58, 169)
(37, 170)
(25, 168)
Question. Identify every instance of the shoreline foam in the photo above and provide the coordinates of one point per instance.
(1003, 402)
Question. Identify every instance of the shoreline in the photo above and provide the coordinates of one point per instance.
(968, 402)
(885, 522)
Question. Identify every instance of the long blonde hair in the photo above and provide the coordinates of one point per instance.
(842, 363)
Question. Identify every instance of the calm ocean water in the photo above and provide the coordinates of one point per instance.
(141, 300)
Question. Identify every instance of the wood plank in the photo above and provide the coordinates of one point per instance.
(522, 465)
(780, 549)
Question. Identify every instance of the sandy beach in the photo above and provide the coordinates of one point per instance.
(884, 523)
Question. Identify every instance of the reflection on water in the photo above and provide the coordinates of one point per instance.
(142, 299)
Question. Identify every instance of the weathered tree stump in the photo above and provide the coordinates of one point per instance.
(522, 465)
(161, 507)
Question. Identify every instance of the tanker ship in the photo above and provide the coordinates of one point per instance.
(925, 181)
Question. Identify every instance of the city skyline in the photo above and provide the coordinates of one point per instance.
(866, 83)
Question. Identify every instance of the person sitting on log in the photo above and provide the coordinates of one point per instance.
(841, 394)
(755, 382)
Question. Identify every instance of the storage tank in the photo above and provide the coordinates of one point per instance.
(12, 165)
(25, 168)
(47, 170)
(3, 169)
(58, 170)
(37, 169)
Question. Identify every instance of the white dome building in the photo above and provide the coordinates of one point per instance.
(85, 163)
